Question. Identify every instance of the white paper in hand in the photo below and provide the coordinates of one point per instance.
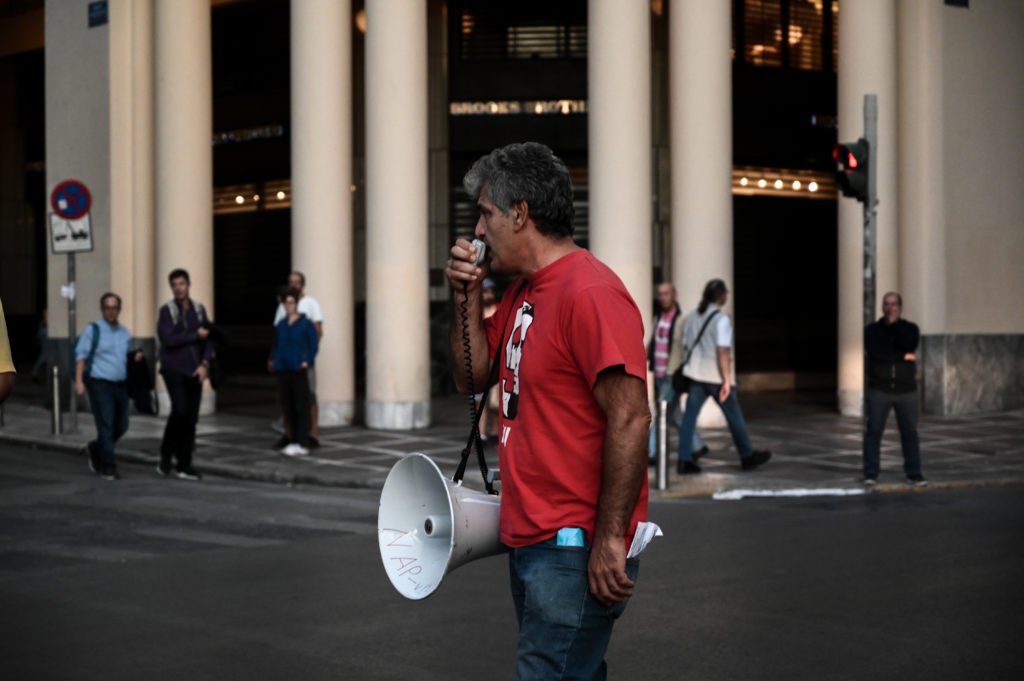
(645, 532)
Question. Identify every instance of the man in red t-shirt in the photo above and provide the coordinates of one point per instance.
(574, 419)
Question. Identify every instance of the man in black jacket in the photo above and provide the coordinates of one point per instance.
(890, 344)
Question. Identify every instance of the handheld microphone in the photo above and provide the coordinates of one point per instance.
(481, 251)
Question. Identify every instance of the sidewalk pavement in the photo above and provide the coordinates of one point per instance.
(814, 450)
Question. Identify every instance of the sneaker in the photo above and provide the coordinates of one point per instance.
(295, 449)
(94, 459)
(869, 481)
(163, 470)
(700, 452)
(314, 443)
(188, 473)
(687, 468)
(110, 474)
(282, 442)
(917, 480)
(756, 459)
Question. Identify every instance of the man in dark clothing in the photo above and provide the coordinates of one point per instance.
(182, 329)
(890, 344)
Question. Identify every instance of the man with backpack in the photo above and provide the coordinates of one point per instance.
(100, 369)
(182, 330)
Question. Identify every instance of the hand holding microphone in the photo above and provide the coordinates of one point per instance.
(467, 263)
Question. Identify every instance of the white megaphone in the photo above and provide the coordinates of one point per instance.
(428, 525)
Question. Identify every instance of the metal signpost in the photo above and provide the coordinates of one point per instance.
(70, 232)
(856, 177)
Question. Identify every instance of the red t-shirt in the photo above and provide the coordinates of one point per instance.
(570, 321)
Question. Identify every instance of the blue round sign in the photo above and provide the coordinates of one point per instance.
(71, 200)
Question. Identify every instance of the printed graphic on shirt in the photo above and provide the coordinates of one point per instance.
(513, 359)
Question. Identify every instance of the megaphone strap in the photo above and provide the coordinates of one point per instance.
(474, 441)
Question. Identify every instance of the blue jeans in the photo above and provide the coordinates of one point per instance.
(663, 390)
(563, 630)
(878, 404)
(733, 416)
(109, 404)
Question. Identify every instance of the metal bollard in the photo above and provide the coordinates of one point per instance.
(56, 401)
(662, 443)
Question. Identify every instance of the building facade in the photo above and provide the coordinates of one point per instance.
(243, 139)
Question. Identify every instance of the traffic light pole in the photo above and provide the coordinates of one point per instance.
(870, 216)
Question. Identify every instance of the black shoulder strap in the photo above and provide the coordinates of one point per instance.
(689, 351)
(474, 432)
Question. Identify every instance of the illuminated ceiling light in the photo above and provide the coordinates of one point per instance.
(239, 199)
(280, 195)
(762, 183)
(796, 185)
(813, 186)
(538, 108)
(565, 107)
(494, 107)
(255, 197)
(778, 184)
(743, 181)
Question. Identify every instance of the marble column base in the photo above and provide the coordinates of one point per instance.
(971, 373)
(851, 402)
(335, 413)
(397, 415)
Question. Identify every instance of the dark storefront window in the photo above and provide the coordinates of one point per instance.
(796, 34)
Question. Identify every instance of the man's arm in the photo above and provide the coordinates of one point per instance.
(467, 280)
(623, 398)
(723, 366)
(80, 377)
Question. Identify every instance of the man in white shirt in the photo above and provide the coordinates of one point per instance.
(311, 309)
(710, 374)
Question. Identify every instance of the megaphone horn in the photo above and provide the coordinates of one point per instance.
(428, 525)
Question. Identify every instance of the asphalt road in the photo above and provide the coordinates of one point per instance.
(149, 578)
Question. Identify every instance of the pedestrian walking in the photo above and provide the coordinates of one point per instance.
(707, 336)
(664, 356)
(183, 331)
(101, 354)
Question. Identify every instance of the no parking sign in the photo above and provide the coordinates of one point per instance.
(71, 199)
(70, 229)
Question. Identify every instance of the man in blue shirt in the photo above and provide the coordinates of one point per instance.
(100, 368)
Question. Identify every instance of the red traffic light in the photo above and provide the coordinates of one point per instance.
(845, 157)
(852, 165)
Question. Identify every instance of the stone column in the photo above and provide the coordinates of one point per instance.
(131, 152)
(619, 120)
(922, 218)
(867, 65)
(321, 105)
(397, 278)
(184, 154)
(700, 101)
(700, 110)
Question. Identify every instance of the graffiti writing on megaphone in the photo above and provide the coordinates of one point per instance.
(400, 564)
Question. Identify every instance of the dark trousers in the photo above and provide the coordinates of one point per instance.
(109, 404)
(293, 394)
(180, 431)
(878, 404)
